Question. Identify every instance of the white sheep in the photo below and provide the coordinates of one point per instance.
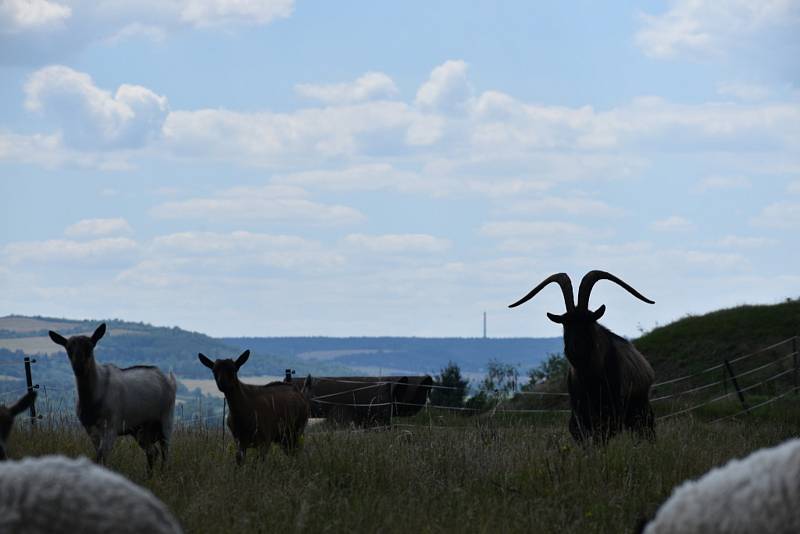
(59, 494)
(760, 493)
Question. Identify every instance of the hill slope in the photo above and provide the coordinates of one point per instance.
(127, 343)
(698, 342)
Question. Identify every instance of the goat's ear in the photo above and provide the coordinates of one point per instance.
(58, 338)
(242, 358)
(99, 333)
(556, 318)
(205, 361)
(23, 404)
(599, 312)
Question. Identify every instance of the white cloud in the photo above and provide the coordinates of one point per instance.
(370, 177)
(49, 151)
(98, 227)
(784, 215)
(398, 243)
(447, 87)
(717, 183)
(674, 223)
(539, 236)
(576, 206)
(496, 144)
(367, 87)
(44, 31)
(701, 27)
(110, 250)
(532, 228)
(743, 91)
(200, 13)
(21, 15)
(745, 242)
(245, 250)
(793, 187)
(269, 202)
(291, 139)
(508, 187)
(91, 117)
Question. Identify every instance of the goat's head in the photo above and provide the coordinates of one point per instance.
(80, 349)
(225, 371)
(579, 320)
(7, 415)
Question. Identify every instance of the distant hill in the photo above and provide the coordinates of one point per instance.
(127, 343)
(698, 342)
(387, 355)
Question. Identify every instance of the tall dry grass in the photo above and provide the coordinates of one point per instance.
(466, 476)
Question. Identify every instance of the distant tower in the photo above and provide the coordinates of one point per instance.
(484, 325)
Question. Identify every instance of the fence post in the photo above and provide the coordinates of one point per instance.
(31, 387)
(736, 384)
(796, 369)
(724, 381)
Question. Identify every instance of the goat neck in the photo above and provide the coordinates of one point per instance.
(235, 395)
(86, 380)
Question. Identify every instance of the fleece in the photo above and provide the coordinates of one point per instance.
(757, 494)
(59, 494)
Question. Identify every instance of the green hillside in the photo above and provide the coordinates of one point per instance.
(698, 342)
(127, 343)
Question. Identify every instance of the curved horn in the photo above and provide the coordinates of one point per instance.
(592, 277)
(566, 288)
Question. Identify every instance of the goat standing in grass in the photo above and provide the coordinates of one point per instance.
(112, 402)
(7, 415)
(609, 380)
(259, 415)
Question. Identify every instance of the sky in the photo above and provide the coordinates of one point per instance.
(298, 167)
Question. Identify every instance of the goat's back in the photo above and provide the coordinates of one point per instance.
(636, 373)
(278, 402)
(137, 394)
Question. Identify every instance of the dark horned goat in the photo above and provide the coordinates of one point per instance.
(609, 380)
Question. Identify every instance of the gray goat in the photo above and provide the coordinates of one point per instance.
(609, 380)
(137, 401)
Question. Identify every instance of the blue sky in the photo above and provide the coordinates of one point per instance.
(282, 167)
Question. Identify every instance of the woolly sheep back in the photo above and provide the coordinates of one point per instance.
(59, 494)
(759, 493)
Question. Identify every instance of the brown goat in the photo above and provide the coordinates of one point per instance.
(259, 415)
(7, 415)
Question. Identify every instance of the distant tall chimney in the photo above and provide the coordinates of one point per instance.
(484, 325)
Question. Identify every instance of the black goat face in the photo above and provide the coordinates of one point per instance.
(80, 349)
(225, 371)
(579, 333)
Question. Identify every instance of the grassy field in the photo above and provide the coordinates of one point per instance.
(464, 475)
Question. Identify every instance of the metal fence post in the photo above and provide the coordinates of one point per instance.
(736, 385)
(29, 380)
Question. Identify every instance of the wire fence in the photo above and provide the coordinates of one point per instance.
(770, 372)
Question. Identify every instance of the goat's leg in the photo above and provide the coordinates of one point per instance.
(152, 453)
(104, 445)
(240, 453)
(163, 444)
